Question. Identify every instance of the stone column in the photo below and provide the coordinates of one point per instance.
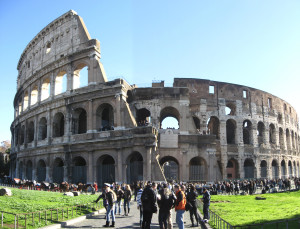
(65, 173)
(48, 175)
(90, 168)
(69, 78)
(39, 95)
(241, 168)
(119, 173)
(36, 130)
(211, 165)
(52, 86)
(148, 162)
(239, 133)
(117, 120)
(91, 128)
(184, 168)
(49, 125)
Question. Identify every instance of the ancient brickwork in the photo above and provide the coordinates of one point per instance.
(72, 124)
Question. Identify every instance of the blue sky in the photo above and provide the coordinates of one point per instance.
(249, 42)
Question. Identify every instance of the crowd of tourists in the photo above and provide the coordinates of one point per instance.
(153, 198)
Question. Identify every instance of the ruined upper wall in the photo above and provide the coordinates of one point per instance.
(64, 36)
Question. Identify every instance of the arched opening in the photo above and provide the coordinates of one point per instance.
(260, 132)
(275, 169)
(134, 167)
(26, 99)
(290, 169)
(230, 109)
(21, 170)
(105, 117)
(247, 129)
(196, 123)
(283, 169)
(45, 89)
(263, 169)
(80, 76)
(22, 135)
(295, 169)
(288, 139)
(213, 126)
(230, 131)
(272, 134)
(169, 118)
(143, 117)
(170, 168)
(79, 121)
(34, 95)
(105, 170)
(198, 169)
(58, 170)
(42, 129)
(29, 170)
(30, 132)
(79, 170)
(20, 107)
(48, 47)
(281, 138)
(60, 83)
(58, 125)
(41, 171)
(232, 169)
(292, 137)
(249, 168)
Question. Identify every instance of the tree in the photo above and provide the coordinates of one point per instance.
(4, 158)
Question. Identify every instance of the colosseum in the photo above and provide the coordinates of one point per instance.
(72, 124)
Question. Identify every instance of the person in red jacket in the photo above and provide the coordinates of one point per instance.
(179, 206)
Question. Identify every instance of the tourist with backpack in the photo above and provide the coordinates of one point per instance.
(179, 206)
(111, 198)
(149, 205)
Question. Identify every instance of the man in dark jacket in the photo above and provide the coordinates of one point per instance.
(149, 205)
(191, 201)
(206, 203)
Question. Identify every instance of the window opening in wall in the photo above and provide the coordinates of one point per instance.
(80, 77)
(230, 131)
(58, 125)
(197, 123)
(60, 83)
(79, 121)
(288, 139)
(25, 104)
(211, 89)
(213, 127)
(272, 137)
(270, 103)
(42, 129)
(285, 107)
(170, 123)
(48, 47)
(169, 118)
(244, 94)
(20, 107)
(247, 132)
(260, 132)
(30, 133)
(34, 96)
(143, 117)
(290, 110)
(45, 89)
(28, 64)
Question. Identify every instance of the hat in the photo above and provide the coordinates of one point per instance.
(106, 185)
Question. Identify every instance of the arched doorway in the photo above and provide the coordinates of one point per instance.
(105, 117)
(232, 169)
(29, 170)
(263, 169)
(134, 167)
(213, 126)
(249, 168)
(105, 170)
(58, 171)
(41, 171)
(283, 173)
(79, 121)
(79, 170)
(275, 169)
(198, 169)
(170, 168)
(290, 169)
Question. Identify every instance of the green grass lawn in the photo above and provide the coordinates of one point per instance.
(246, 210)
(25, 201)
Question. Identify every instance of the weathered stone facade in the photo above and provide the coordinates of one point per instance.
(111, 131)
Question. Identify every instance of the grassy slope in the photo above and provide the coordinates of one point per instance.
(245, 210)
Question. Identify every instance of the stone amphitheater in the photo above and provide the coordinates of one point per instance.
(72, 124)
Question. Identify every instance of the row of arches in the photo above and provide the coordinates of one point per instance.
(42, 90)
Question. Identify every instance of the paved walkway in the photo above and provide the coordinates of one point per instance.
(131, 221)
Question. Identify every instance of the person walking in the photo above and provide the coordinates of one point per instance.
(149, 205)
(139, 202)
(127, 198)
(119, 193)
(179, 206)
(206, 203)
(191, 200)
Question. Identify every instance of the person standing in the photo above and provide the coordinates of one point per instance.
(206, 203)
(179, 206)
(191, 199)
(165, 202)
(139, 202)
(127, 198)
(149, 205)
(119, 193)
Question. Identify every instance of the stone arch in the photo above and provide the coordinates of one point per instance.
(45, 89)
(283, 169)
(34, 95)
(247, 132)
(249, 168)
(58, 125)
(29, 170)
(213, 126)
(281, 138)
(143, 117)
(105, 169)
(41, 171)
(292, 138)
(60, 85)
(79, 121)
(230, 108)
(134, 167)
(80, 75)
(198, 169)
(22, 135)
(290, 169)
(169, 115)
(105, 117)
(260, 132)
(30, 132)
(42, 129)
(79, 169)
(288, 139)
(231, 131)
(263, 169)
(272, 134)
(26, 100)
(196, 123)
(170, 167)
(58, 170)
(232, 169)
(275, 169)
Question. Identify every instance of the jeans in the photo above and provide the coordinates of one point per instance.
(110, 211)
(118, 205)
(179, 218)
(126, 202)
(147, 217)
(206, 211)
